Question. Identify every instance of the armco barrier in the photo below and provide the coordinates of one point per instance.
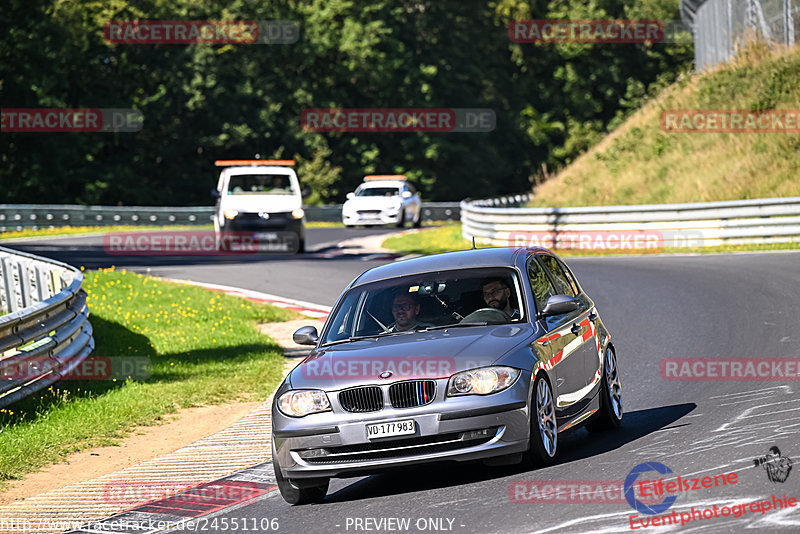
(18, 216)
(766, 220)
(44, 324)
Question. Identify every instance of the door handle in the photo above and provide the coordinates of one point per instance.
(593, 317)
(576, 329)
(545, 343)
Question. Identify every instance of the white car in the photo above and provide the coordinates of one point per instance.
(261, 198)
(383, 199)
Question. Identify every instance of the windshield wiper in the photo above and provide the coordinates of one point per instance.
(347, 340)
(455, 325)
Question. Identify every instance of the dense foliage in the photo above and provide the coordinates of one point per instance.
(205, 102)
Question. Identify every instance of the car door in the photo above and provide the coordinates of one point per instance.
(562, 343)
(579, 321)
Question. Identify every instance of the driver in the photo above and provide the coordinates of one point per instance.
(405, 309)
(497, 294)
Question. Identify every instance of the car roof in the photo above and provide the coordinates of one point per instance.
(382, 183)
(482, 257)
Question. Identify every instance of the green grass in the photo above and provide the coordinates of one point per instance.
(204, 348)
(77, 230)
(639, 163)
(448, 239)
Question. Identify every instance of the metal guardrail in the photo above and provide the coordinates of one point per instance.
(19, 216)
(44, 330)
(702, 224)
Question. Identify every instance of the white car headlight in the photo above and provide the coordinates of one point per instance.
(298, 213)
(303, 402)
(482, 381)
(231, 214)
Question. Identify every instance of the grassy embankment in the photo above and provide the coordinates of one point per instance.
(639, 163)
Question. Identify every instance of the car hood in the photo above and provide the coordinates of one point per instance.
(257, 203)
(372, 203)
(435, 354)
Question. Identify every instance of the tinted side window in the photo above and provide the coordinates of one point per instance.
(563, 286)
(540, 285)
(572, 280)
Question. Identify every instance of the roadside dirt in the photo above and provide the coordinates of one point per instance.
(179, 430)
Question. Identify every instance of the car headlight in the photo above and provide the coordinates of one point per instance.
(303, 402)
(298, 213)
(482, 381)
(230, 214)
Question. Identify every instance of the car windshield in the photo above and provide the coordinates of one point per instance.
(260, 184)
(378, 192)
(462, 297)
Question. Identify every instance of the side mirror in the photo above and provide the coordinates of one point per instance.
(559, 304)
(306, 335)
(406, 194)
(305, 192)
(351, 196)
(214, 193)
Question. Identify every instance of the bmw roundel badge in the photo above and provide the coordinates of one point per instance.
(385, 374)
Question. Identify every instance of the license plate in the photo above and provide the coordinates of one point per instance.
(267, 236)
(393, 428)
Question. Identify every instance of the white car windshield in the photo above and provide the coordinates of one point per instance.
(378, 192)
(260, 184)
(463, 297)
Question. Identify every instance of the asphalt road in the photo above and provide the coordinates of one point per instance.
(656, 307)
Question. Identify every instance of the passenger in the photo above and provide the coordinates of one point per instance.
(405, 309)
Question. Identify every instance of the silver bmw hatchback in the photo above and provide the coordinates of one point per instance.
(485, 354)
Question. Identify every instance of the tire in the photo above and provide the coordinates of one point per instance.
(301, 247)
(543, 444)
(295, 495)
(418, 222)
(401, 219)
(609, 415)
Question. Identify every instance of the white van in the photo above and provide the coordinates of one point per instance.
(261, 198)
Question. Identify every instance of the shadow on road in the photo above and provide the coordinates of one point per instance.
(575, 446)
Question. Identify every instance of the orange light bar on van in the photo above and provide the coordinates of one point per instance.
(384, 177)
(241, 162)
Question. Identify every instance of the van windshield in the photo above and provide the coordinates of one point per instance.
(260, 184)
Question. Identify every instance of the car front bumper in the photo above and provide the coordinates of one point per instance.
(455, 429)
(366, 219)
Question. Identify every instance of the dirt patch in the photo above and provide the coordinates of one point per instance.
(179, 430)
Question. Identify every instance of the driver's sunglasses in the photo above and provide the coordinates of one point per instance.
(405, 306)
(492, 292)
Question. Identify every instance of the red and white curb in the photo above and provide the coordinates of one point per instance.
(309, 309)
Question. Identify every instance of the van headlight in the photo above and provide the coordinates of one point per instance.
(298, 213)
(483, 381)
(230, 214)
(303, 402)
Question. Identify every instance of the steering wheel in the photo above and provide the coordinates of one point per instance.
(488, 315)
